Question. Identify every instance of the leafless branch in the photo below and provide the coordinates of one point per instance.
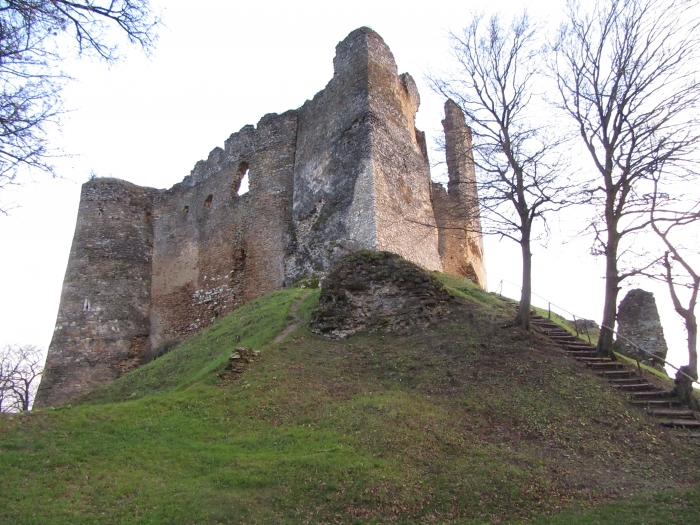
(623, 77)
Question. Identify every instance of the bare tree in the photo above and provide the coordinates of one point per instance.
(625, 72)
(20, 370)
(35, 35)
(678, 272)
(519, 175)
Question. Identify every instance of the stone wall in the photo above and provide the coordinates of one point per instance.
(347, 170)
(638, 320)
(457, 209)
(403, 208)
(333, 209)
(102, 329)
(215, 250)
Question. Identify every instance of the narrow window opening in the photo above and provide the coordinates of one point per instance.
(148, 216)
(99, 212)
(241, 182)
(207, 202)
(186, 209)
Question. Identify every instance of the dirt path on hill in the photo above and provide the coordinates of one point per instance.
(295, 323)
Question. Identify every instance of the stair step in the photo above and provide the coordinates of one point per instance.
(659, 395)
(582, 348)
(604, 366)
(610, 374)
(582, 354)
(684, 423)
(542, 321)
(655, 403)
(658, 403)
(635, 388)
(670, 412)
(629, 381)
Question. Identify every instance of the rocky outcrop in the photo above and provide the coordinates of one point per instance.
(638, 320)
(373, 291)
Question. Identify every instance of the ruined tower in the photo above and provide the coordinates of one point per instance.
(347, 170)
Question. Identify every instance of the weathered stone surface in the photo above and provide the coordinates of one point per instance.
(457, 209)
(348, 170)
(103, 326)
(638, 320)
(237, 362)
(372, 291)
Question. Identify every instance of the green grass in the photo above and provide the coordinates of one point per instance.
(662, 375)
(465, 288)
(666, 508)
(197, 358)
(472, 422)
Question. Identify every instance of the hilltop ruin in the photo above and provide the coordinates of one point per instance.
(346, 171)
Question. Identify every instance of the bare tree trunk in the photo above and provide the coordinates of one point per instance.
(691, 325)
(523, 317)
(612, 288)
(684, 385)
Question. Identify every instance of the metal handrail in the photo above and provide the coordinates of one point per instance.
(652, 355)
(549, 309)
(635, 345)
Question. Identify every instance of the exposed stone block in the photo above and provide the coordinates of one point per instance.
(638, 320)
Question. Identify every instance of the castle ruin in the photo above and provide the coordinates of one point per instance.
(347, 170)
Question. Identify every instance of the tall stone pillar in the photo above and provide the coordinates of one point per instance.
(457, 209)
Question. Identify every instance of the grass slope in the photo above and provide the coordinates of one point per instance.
(472, 421)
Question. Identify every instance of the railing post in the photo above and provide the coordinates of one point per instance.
(576, 325)
(588, 334)
(549, 310)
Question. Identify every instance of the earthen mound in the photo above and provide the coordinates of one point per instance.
(370, 290)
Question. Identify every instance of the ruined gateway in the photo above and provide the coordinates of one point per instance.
(347, 170)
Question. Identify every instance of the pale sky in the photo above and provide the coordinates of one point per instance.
(215, 69)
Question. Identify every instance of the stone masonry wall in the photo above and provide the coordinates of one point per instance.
(102, 329)
(638, 320)
(457, 209)
(215, 250)
(347, 170)
(404, 213)
(333, 210)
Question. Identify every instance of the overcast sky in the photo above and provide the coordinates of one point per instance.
(216, 68)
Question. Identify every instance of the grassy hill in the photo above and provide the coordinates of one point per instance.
(469, 421)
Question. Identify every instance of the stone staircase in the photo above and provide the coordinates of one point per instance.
(624, 378)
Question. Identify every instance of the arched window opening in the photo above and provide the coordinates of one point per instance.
(207, 202)
(240, 182)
